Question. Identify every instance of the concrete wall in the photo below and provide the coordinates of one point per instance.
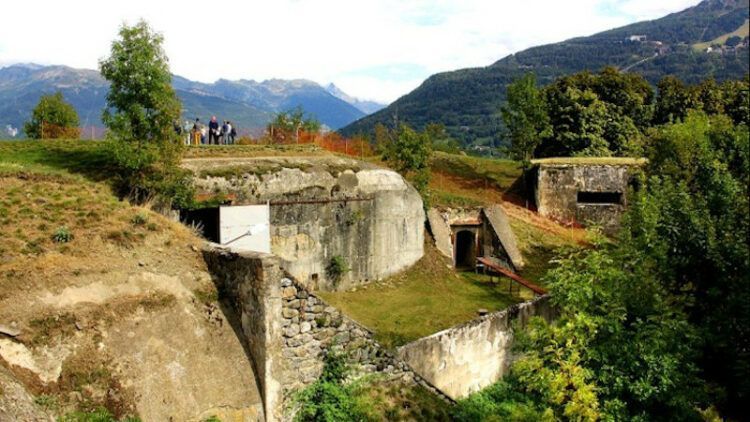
(330, 207)
(289, 330)
(250, 281)
(471, 356)
(557, 187)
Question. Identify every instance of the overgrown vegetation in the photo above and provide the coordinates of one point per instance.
(608, 113)
(331, 398)
(335, 398)
(654, 325)
(336, 268)
(99, 415)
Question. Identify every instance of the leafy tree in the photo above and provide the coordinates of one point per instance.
(141, 107)
(53, 118)
(286, 125)
(441, 140)
(525, 118)
(703, 230)
(578, 119)
(674, 100)
(736, 95)
(409, 154)
(597, 114)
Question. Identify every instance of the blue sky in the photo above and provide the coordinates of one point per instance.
(371, 49)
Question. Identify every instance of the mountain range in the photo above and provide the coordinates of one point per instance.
(709, 40)
(249, 104)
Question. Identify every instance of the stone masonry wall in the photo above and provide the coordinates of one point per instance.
(471, 356)
(289, 330)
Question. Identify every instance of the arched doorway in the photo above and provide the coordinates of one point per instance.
(465, 249)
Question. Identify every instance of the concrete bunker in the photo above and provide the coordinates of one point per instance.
(584, 190)
(465, 234)
(322, 209)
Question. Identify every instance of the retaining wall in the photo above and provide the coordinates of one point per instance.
(289, 330)
(473, 355)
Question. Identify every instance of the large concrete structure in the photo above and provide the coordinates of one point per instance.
(323, 209)
(584, 190)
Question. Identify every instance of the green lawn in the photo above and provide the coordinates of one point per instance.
(88, 158)
(423, 300)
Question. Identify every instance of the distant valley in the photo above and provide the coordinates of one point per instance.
(248, 103)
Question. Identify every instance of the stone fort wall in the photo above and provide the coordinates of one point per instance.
(289, 330)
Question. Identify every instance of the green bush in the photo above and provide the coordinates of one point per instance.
(139, 219)
(62, 235)
(336, 268)
(99, 415)
(330, 398)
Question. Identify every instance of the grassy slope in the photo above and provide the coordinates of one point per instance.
(422, 300)
(742, 32)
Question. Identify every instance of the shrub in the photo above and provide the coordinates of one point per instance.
(337, 268)
(330, 398)
(62, 235)
(139, 219)
(98, 415)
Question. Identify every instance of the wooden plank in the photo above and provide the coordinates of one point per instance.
(513, 276)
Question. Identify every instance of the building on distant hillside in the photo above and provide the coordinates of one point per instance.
(585, 190)
(637, 38)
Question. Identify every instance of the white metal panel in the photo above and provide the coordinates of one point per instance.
(245, 227)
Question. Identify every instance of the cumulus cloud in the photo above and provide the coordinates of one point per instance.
(371, 49)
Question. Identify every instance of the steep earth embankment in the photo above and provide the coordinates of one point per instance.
(113, 307)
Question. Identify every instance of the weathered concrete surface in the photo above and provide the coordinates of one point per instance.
(289, 330)
(326, 207)
(17, 404)
(441, 232)
(471, 356)
(557, 186)
(250, 280)
(501, 226)
(490, 227)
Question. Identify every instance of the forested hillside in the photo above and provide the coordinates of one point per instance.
(468, 101)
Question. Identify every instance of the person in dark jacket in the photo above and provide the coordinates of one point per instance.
(213, 131)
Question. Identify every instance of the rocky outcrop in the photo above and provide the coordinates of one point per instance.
(325, 208)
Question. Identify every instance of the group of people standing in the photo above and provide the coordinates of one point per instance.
(196, 133)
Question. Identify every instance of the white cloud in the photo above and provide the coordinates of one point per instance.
(322, 40)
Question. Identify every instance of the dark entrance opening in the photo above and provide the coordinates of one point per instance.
(205, 219)
(465, 249)
(599, 197)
